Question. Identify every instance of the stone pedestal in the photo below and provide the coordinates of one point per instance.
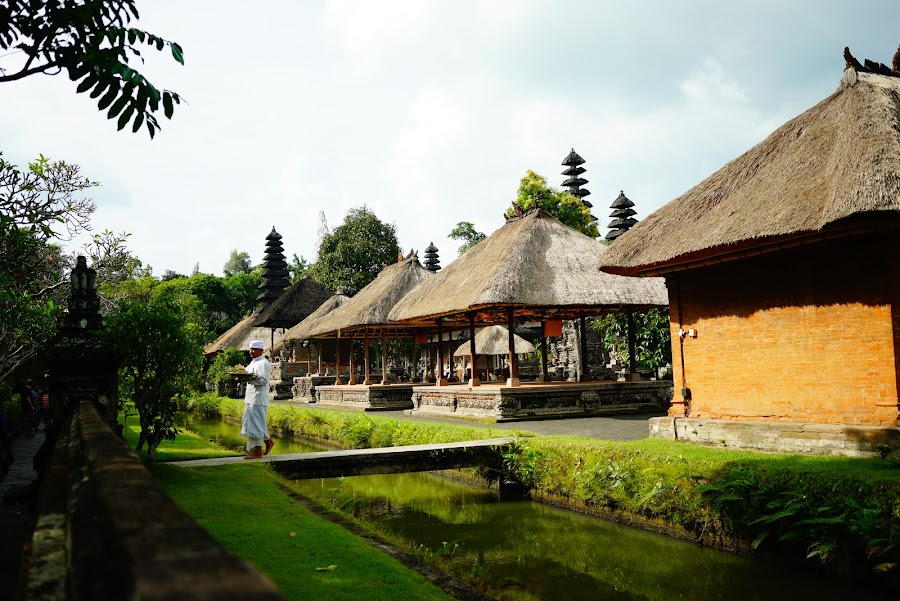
(304, 389)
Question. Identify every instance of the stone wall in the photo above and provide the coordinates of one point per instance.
(805, 335)
(784, 437)
(106, 530)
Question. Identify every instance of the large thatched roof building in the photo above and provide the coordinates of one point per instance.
(536, 265)
(783, 279)
(368, 310)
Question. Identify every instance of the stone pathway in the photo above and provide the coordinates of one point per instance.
(16, 516)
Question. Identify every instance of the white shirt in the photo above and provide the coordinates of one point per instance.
(258, 388)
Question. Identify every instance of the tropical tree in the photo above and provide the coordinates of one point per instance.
(38, 206)
(354, 252)
(653, 340)
(298, 268)
(534, 192)
(160, 358)
(91, 41)
(238, 262)
(465, 231)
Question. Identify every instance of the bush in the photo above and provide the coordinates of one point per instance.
(223, 364)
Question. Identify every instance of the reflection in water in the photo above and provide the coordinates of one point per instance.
(545, 552)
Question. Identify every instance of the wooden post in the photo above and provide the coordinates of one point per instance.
(544, 377)
(384, 379)
(474, 380)
(352, 379)
(633, 374)
(441, 380)
(513, 379)
(337, 359)
(319, 353)
(366, 380)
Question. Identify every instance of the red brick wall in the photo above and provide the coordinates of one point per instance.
(808, 334)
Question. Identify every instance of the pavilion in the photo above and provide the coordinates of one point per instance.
(534, 268)
(783, 281)
(364, 317)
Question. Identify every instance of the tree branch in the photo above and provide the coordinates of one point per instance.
(26, 72)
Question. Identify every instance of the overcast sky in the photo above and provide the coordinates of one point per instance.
(429, 112)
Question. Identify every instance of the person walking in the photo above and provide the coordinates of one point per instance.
(256, 403)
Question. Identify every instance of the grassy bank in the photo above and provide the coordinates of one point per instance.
(244, 507)
(838, 511)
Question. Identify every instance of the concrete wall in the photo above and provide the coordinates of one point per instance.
(784, 437)
(804, 335)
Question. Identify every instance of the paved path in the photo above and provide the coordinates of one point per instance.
(16, 517)
(630, 426)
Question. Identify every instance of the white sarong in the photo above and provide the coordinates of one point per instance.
(253, 425)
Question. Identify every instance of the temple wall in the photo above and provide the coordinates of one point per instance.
(808, 335)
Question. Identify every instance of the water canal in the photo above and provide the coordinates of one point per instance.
(543, 552)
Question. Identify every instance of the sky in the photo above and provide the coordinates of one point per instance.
(430, 111)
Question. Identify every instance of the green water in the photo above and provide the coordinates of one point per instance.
(540, 552)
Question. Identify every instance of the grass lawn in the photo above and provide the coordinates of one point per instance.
(306, 556)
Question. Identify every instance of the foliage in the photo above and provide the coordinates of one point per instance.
(298, 268)
(238, 262)
(160, 358)
(534, 192)
(92, 42)
(223, 363)
(351, 256)
(653, 341)
(465, 231)
(357, 430)
(813, 507)
(114, 263)
(37, 206)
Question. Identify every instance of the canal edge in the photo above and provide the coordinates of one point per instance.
(448, 583)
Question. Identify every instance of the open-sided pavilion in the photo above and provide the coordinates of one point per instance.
(534, 268)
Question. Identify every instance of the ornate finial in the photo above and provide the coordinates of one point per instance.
(84, 304)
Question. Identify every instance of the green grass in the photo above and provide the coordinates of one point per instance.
(245, 510)
(243, 507)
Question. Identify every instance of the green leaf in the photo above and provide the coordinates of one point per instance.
(138, 121)
(125, 117)
(110, 95)
(99, 89)
(177, 53)
(89, 82)
(118, 105)
(167, 104)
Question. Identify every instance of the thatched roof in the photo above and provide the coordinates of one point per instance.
(240, 335)
(302, 330)
(536, 265)
(830, 168)
(371, 305)
(293, 305)
(494, 340)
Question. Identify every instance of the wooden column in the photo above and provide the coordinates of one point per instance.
(513, 379)
(366, 380)
(451, 377)
(544, 377)
(319, 353)
(384, 379)
(473, 381)
(337, 359)
(441, 380)
(415, 365)
(585, 371)
(633, 374)
(352, 379)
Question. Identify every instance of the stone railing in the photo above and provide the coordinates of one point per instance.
(106, 530)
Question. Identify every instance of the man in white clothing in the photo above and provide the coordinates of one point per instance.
(256, 403)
